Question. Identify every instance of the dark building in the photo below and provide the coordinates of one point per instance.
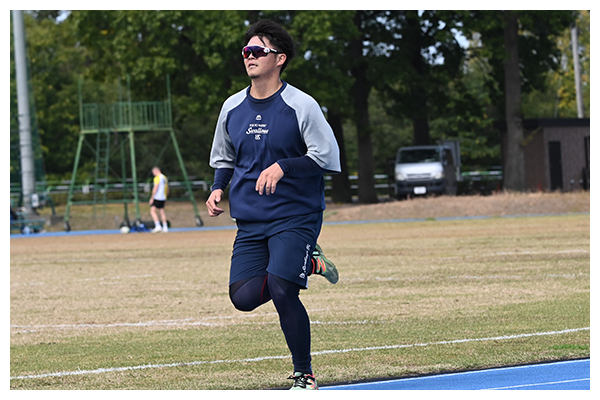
(557, 153)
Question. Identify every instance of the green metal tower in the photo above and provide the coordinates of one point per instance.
(121, 121)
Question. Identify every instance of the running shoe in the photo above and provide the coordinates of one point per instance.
(324, 266)
(157, 228)
(304, 381)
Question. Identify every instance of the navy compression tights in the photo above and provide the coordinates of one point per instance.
(250, 293)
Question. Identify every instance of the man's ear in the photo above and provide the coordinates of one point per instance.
(281, 59)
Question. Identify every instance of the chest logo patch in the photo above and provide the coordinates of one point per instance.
(257, 129)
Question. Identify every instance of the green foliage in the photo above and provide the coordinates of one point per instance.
(198, 49)
(321, 67)
(54, 61)
(538, 47)
(423, 57)
(556, 98)
(388, 135)
(458, 91)
(466, 117)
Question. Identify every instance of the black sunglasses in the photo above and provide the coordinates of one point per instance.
(257, 51)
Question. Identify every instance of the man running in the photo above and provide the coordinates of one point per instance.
(273, 143)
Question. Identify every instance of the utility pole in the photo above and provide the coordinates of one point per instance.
(577, 69)
(25, 145)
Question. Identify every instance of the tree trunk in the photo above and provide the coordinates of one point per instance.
(418, 95)
(421, 131)
(514, 161)
(341, 192)
(366, 166)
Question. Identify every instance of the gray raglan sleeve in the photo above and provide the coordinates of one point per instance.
(322, 146)
(222, 153)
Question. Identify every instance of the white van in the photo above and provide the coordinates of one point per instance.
(421, 170)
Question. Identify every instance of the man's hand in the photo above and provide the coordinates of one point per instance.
(213, 200)
(267, 181)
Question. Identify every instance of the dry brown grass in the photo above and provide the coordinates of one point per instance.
(181, 214)
(499, 204)
(103, 301)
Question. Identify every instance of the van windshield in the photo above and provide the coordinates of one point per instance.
(410, 156)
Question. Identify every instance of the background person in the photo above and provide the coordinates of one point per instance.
(158, 199)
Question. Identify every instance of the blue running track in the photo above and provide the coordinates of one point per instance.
(215, 228)
(563, 375)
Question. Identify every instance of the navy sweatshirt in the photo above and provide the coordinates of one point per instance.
(288, 128)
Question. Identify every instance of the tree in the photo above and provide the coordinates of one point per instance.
(360, 94)
(520, 46)
(55, 60)
(514, 171)
(376, 73)
(467, 117)
(423, 58)
(199, 50)
(322, 70)
(557, 98)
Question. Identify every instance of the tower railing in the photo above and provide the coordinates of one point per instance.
(123, 119)
(125, 116)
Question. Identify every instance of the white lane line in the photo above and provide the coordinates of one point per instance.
(538, 384)
(173, 322)
(20, 329)
(193, 363)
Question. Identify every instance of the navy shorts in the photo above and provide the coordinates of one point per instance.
(283, 248)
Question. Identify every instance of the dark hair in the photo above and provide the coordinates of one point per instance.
(279, 38)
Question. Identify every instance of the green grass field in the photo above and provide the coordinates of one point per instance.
(145, 311)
